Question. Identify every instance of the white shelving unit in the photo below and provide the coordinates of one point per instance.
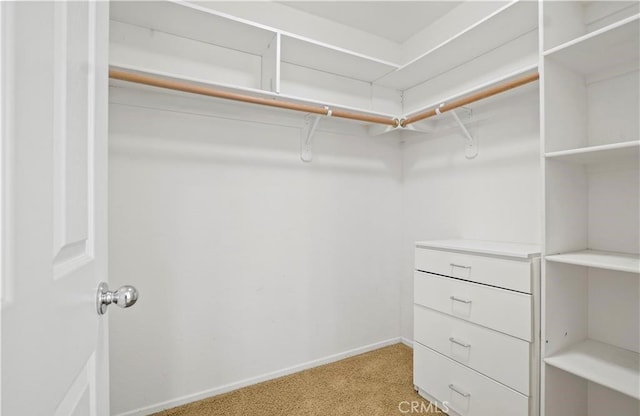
(188, 41)
(591, 269)
(196, 43)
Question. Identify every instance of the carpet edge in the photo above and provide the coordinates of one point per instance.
(179, 401)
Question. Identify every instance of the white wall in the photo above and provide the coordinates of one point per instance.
(495, 196)
(248, 261)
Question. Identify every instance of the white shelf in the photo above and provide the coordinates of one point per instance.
(230, 88)
(331, 59)
(612, 46)
(502, 26)
(189, 42)
(622, 153)
(604, 364)
(194, 22)
(608, 260)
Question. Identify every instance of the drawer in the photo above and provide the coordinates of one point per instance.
(499, 356)
(463, 390)
(503, 310)
(508, 274)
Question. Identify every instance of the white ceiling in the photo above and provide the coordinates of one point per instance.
(393, 20)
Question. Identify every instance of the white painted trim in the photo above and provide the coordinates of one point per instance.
(407, 342)
(264, 377)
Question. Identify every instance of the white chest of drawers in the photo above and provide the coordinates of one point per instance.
(476, 350)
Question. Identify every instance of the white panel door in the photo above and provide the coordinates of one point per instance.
(54, 165)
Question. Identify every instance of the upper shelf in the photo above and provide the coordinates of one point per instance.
(607, 260)
(612, 46)
(508, 23)
(311, 54)
(190, 42)
(619, 153)
(193, 22)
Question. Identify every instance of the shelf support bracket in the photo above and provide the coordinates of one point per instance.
(471, 147)
(306, 135)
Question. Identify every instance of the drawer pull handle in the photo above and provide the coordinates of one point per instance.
(462, 344)
(460, 392)
(460, 265)
(459, 300)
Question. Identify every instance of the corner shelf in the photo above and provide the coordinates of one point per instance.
(507, 23)
(614, 45)
(604, 364)
(608, 260)
(625, 152)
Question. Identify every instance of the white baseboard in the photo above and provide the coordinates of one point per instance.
(143, 411)
(406, 342)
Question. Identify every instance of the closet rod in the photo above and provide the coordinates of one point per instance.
(211, 92)
(497, 89)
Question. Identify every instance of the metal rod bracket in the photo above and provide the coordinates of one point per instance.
(471, 146)
(306, 135)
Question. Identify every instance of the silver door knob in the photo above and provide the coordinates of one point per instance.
(124, 297)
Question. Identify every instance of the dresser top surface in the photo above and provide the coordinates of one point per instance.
(493, 248)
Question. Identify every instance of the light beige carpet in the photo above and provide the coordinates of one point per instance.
(378, 383)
